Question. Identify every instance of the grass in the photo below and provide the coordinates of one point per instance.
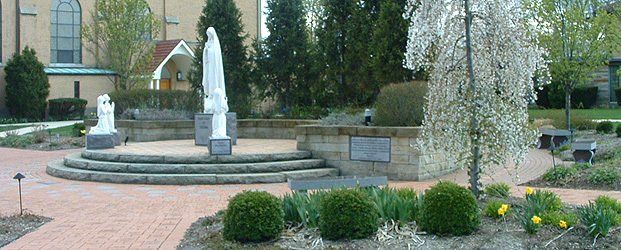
(62, 131)
(592, 114)
(12, 127)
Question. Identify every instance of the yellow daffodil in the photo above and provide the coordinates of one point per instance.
(536, 219)
(501, 212)
(505, 207)
(529, 191)
(562, 224)
(83, 132)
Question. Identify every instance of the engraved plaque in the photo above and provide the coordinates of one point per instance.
(202, 128)
(220, 147)
(367, 148)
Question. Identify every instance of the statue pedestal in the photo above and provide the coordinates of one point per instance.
(117, 139)
(220, 147)
(99, 141)
(202, 128)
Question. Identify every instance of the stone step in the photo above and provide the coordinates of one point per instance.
(103, 155)
(58, 169)
(76, 161)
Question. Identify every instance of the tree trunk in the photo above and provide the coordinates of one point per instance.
(568, 107)
(475, 167)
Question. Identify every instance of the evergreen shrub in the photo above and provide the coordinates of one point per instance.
(449, 209)
(27, 86)
(400, 104)
(347, 214)
(253, 216)
(67, 108)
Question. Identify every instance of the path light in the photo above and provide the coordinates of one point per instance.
(19, 178)
(367, 117)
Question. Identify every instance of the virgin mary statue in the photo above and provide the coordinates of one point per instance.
(213, 74)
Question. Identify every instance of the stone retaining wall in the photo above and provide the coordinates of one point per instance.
(270, 128)
(407, 162)
(143, 131)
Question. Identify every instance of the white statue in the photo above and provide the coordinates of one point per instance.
(110, 113)
(213, 73)
(218, 122)
(103, 123)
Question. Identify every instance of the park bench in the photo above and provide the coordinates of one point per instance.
(337, 182)
(553, 138)
(584, 151)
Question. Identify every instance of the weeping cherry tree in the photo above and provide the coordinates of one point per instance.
(482, 58)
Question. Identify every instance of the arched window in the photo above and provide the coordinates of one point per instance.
(66, 44)
(147, 36)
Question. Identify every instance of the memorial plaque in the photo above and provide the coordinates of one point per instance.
(368, 148)
(202, 128)
(220, 147)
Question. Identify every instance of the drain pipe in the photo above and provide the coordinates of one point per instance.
(17, 27)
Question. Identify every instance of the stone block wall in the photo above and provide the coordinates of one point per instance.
(407, 162)
(142, 131)
(270, 128)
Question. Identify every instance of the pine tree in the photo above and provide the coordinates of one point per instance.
(225, 17)
(27, 86)
(388, 45)
(286, 54)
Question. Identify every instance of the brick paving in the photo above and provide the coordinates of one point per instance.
(112, 216)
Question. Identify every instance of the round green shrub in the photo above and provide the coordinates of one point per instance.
(618, 131)
(400, 105)
(450, 209)
(604, 127)
(347, 214)
(253, 216)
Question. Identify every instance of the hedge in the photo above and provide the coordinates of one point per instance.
(67, 108)
(550, 96)
(156, 99)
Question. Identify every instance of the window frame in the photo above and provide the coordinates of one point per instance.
(74, 26)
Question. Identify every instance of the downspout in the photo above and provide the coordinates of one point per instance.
(259, 13)
(17, 27)
(164, 24)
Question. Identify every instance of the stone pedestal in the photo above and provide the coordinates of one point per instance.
(202, 126)
(99, 141)
(220, 147)
(117, 139)
(553, 138)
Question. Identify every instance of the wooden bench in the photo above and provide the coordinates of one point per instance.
(337, 182)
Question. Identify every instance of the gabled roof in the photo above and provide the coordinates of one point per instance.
(163, 49)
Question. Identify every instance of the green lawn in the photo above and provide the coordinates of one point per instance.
(9, 128)
(592, 114)
(62, 131)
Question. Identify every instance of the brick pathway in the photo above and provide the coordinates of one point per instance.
(99, 215)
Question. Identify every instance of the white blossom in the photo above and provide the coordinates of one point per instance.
(505, 59)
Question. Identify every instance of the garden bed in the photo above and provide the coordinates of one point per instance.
(604, 174)
(206, 233)
(61, 138)
(14, 227)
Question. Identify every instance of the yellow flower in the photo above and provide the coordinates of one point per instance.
(83, 132)
(562, 224)
(505, 207)
(536, 219)
(529, 191)
(501, 212)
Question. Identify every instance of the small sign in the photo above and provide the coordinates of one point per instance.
(369, 148)
(220, 147)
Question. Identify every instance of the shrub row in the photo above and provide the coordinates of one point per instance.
(156, 99)
(67, 108)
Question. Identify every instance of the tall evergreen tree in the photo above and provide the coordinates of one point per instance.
(286, 54)
(225, 17)
(388, 45)
(27, 85)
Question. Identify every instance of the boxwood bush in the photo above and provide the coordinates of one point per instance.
(605, 127)
(253, 216)
(400, 104)
(67, 108)
(156, 99)
(347, 214)
(449, 209)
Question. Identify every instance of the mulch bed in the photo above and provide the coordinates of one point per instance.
(63, 144)
(206, 233)
(13, 227)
